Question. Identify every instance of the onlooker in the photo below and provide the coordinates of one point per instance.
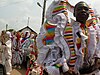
(6, 49)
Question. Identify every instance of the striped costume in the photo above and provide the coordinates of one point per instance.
(53, 49)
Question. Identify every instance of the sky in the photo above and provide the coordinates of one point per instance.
(20, 13)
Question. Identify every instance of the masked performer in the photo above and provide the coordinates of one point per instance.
(53, 49)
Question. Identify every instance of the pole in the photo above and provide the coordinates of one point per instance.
(43, 13)
(6, 27)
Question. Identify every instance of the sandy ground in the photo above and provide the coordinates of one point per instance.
(18, 71)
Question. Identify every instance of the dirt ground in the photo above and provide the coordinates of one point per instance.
(18, 71)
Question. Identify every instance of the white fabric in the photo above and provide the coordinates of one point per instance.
(8, 33)
(45, 56)
(50, 9)
(52, 70)
(7, 56)
(92, 42)
(60, 20)
(8, 47)
(40, 37)
(54, 4)
(42, 55)
(49, 55)
(79, 53)
(98, 42)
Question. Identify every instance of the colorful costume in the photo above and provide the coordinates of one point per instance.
(26, 44)
(80, 44)
(53, 50)
(59, 41)
(85, 45)
(17, 53)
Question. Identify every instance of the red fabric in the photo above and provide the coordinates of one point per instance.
(27, 71)
(82, 25)
(78, 46)
(33, 53)
(41, 73)
(94, 26)
(18, 36)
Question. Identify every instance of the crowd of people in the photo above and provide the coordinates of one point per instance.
(15, 47)
(64, 47)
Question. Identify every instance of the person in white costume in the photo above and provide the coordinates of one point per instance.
(53, 50)
(85, 40)
(7, 54)
(75, 42)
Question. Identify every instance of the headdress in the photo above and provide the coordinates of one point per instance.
(58, 6)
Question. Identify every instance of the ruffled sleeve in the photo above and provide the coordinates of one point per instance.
(98, 41)
(92, 41)
(61, 21)
(40, 37)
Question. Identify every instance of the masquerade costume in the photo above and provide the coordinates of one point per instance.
(53, 50)
(59, 42)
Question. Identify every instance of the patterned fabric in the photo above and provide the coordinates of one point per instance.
(49, 36)
(92, 14)
(49, 54)
(54, 49)
(27, 43)
(60, 8)
(17, 57)
(17, 53)
(68, 35)
(27, 47)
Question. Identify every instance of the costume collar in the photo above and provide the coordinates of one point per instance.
(79, 24)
